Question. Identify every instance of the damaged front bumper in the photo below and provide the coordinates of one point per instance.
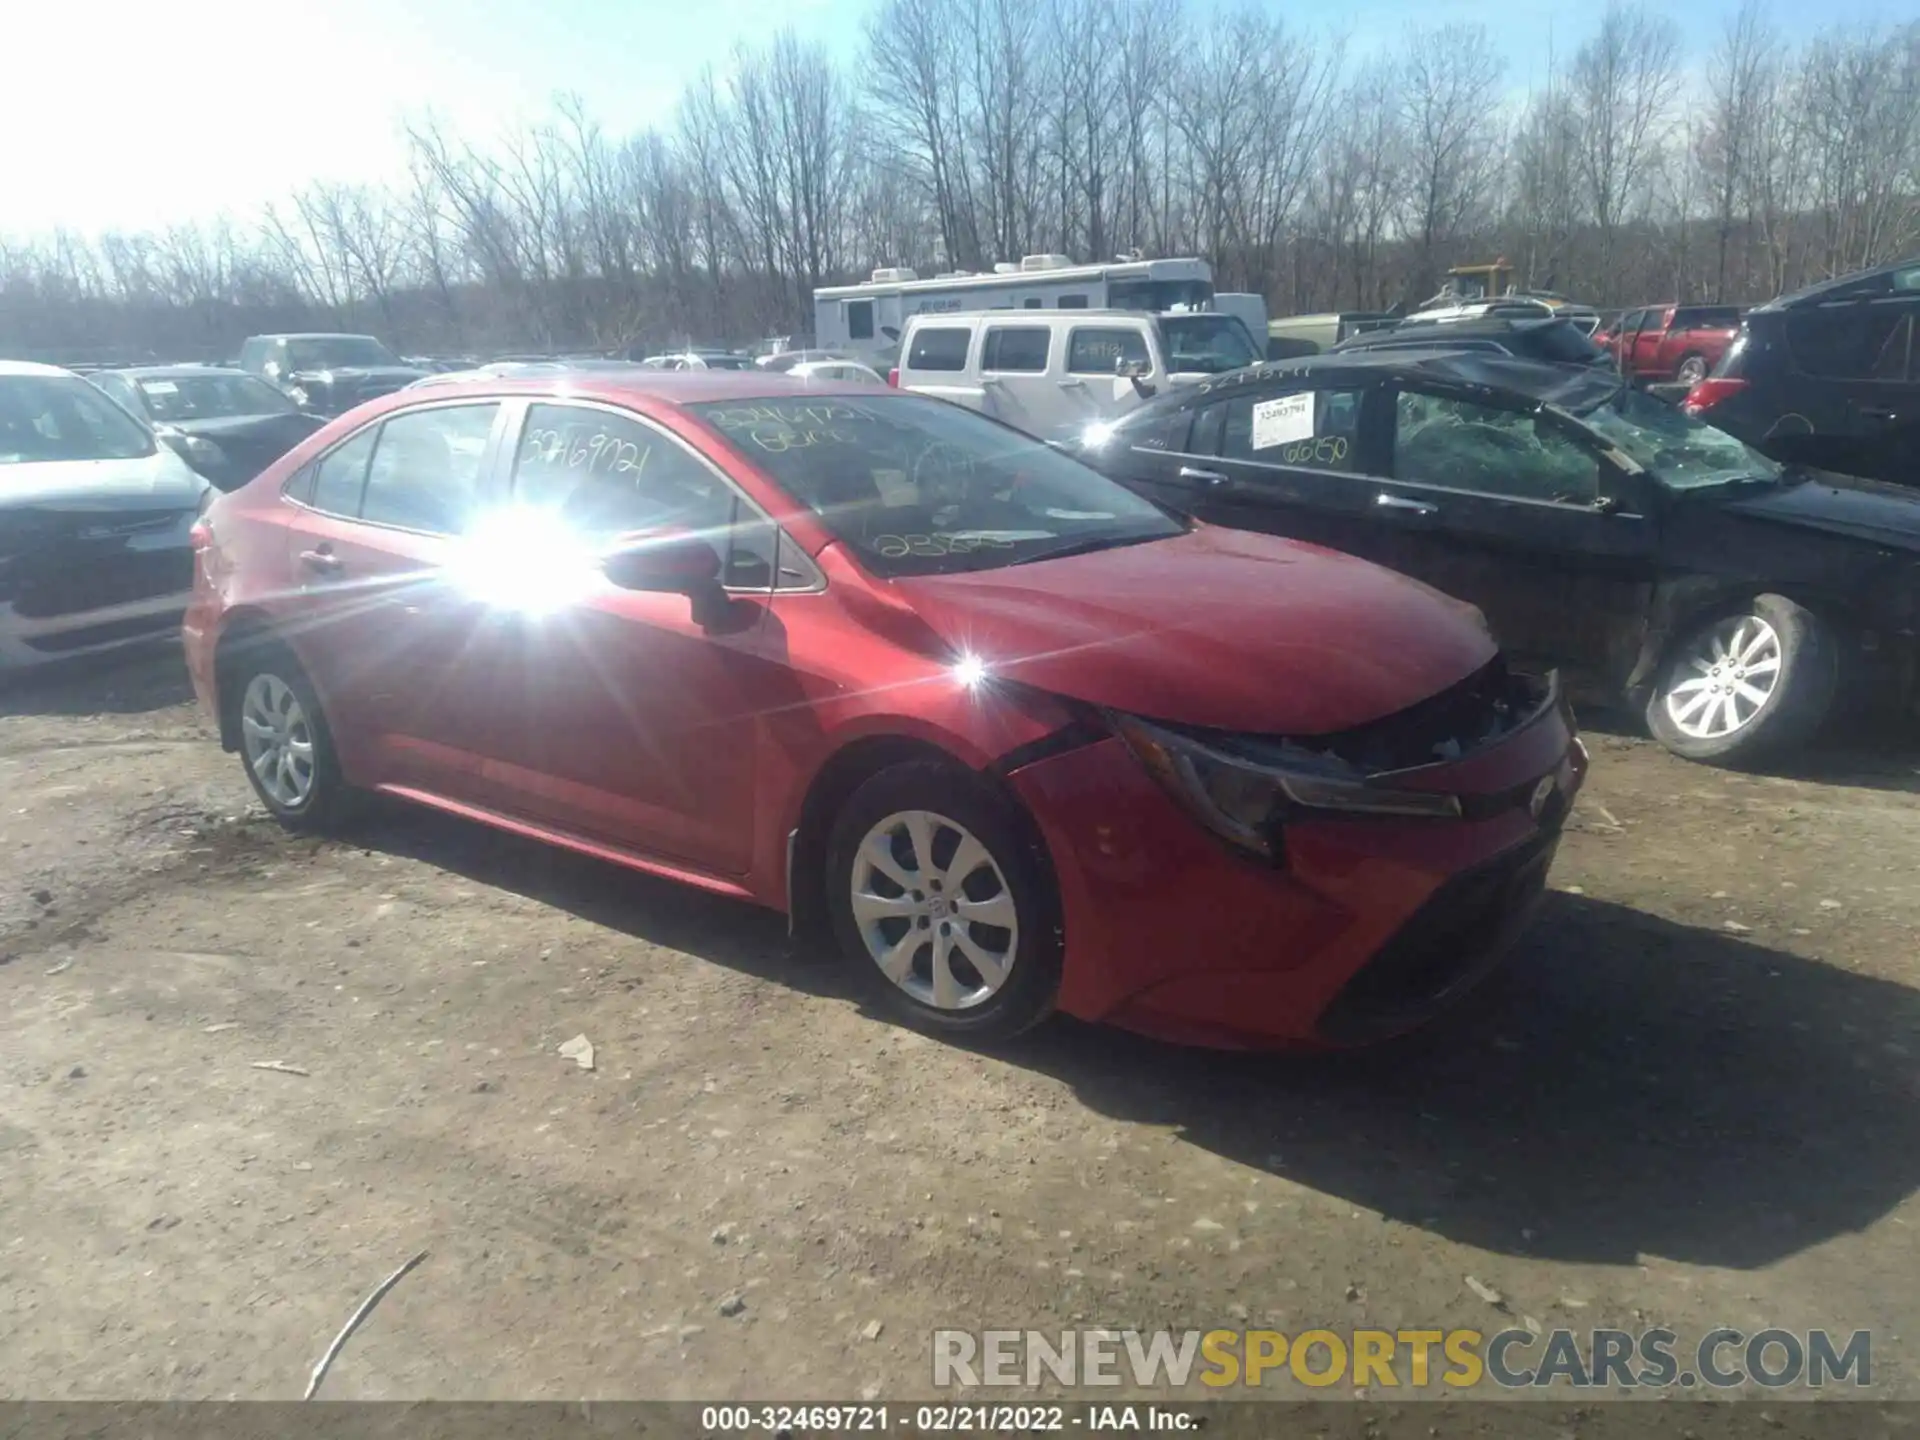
(79, 582)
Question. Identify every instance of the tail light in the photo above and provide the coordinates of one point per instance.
(893, 377)
(1710, 392)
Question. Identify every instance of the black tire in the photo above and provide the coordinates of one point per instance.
(1691, 370)
(1809, 675)
(1032, 983)
(329, 802)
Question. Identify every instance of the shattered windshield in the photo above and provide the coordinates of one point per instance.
(1681, 452)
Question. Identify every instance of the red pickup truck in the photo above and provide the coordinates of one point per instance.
(1671, 342)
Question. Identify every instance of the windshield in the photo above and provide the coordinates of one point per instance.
(209, 397)
(1681, 452)
(1207, 344)
(56, 417)
(1562, 341)
(920, 487)
(324, 352)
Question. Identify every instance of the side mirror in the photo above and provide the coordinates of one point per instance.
(672, 565)
(1127, 369)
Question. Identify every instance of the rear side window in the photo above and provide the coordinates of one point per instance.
(1316, 429)
(1016, 348)
(1850, 342)
(425, 473)
(342, 475)
(1706, 317)
(1071, 302)
(939, 347)
(1095, 351)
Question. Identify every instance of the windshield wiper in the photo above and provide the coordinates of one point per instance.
(1088, 546)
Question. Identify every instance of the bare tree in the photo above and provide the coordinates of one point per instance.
(1622, 89)
(1449, 84)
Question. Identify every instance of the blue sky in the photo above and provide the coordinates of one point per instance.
(199, 106)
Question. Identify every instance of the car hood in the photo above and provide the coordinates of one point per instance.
(216, 427)
(158, 481)
(1869, 510)
(1218, 628)
(335, 374)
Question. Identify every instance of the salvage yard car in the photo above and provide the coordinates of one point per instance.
(1051, 373)
(94, 521)
(226, 424)
(327, 374)
(1017, 739)
(1828, 376)
(1679, 344)
(1654, 557)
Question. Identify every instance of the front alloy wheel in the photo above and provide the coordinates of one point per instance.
(934, 910)
(1744, 684)
(283, 738)
(943, 901)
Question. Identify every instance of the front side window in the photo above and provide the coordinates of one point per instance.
(939, 347)
(1316, 429)
(914, 486)
(1018, 348)
(1207, 344)
(1447, 441)
(51, 418)
(1095, 350)
(426, 468)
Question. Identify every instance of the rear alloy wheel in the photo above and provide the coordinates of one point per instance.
(285, 743)
(1693, 369)
(1746, 684)
(942, 905)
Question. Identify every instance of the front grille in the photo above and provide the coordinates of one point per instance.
(117, 578)
(1448, 944)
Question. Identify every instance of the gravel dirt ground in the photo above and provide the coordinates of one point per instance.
(1690, 1100)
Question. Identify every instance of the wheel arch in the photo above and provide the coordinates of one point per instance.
(246, 628)
(1682, 607)
(843, 772)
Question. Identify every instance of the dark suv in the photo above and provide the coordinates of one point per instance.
(1829, 377)
(1555, 341)
(327, 374)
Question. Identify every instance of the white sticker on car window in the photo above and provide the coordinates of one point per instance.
(159, 387)
(1279, 422)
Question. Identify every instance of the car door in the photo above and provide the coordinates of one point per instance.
(1647, 341)
(1515, 509)
(384, 635)
(1014, 382)
(1856, 389)
(620, 716)
(1286, 458)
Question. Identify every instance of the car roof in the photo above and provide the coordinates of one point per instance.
(1863, 282)
(1568, 386)
(671, 387)
(1495, 325)
(313, 335)
(31, 367)
(934, 317)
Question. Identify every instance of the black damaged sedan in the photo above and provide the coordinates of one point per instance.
(226, 424)
(1648, 555)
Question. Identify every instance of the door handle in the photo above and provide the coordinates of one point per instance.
(1410, 507)
(323, 560)
(989, 382)
(1877, 412)
(1073, 384)
(1202, 477)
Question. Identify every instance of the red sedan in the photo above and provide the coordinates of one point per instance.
(1013, 737)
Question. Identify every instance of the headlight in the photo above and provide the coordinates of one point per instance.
(1246, 803)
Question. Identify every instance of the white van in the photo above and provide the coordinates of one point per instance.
(1053, 373)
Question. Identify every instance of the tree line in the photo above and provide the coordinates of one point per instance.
(973, 131)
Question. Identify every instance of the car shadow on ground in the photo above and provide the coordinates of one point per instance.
(127, 682)
(1627, 1086)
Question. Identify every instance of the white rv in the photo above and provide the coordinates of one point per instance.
(868, 320)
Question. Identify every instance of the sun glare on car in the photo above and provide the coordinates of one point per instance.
(524, 559)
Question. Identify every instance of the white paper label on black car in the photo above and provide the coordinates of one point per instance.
(1278, 422)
